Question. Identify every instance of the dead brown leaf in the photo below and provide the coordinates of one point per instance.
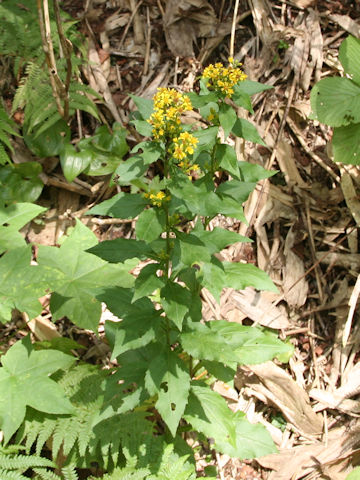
(284, 393)
(185, 21)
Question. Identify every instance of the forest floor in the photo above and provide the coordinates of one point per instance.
(303, 221)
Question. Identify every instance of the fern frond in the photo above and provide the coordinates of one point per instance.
(69, 473)
(44, 474)
(7, 128)
(8, 475)
(126, 474)
(23, 462)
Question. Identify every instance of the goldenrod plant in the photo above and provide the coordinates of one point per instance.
(133, 419)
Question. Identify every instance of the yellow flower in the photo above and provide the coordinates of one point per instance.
(223, 79)
(168, 106)
(156, 199)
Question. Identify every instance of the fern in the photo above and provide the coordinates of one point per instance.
(7, 128)
(13, 465)
(68, 473)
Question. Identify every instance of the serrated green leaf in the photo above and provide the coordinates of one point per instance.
(244, 129)
(192, 249)
(218, 238)
(121, 249)
(252, 440)
(24, 380)
(176, 301)
(349, 53)
(202, 343)
(18, 275)
(122, 205)
(209, 414)
(346, 144)
(336, 101)
(227, 160)
(150, 225)
(227, 118)
(168, 378)
(250, 345)
(131, 333)
(213, 278)
(15, 217)
(77, 275)
(147, 281)
(241, 275)
(74, 162)
(229, 342)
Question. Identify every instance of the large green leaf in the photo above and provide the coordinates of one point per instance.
(244, 129)
(227, 159)
(12, 218)
(147, 281)
(77, 276)
(346, 144)
(236, 189)
(74, 162)
(121, 249)
(169, 378)
(150, 225)
(218, 238)
(336, 101)
(51, 142)
(132, 333)
(242, 275)
(227, 118)
(202, 343)
(252, 172)
(130, 169)
(213, 277)
(20, 182)
(208, 413)
(144, 105)
(349, 54)
(21, 284)
(252, 440)
(122, 205)
(176, 301)
(24, 380)
(228, 342)
(251, 88)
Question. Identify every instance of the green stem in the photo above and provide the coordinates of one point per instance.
(168, 246)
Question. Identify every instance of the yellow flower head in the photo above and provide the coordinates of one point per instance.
(168, 106)
(156, 199)
(185, 145)
(223, 79)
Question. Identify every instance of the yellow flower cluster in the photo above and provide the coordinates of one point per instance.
(184, 145)
(223, 79)
(156, 199)
(168, 106)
